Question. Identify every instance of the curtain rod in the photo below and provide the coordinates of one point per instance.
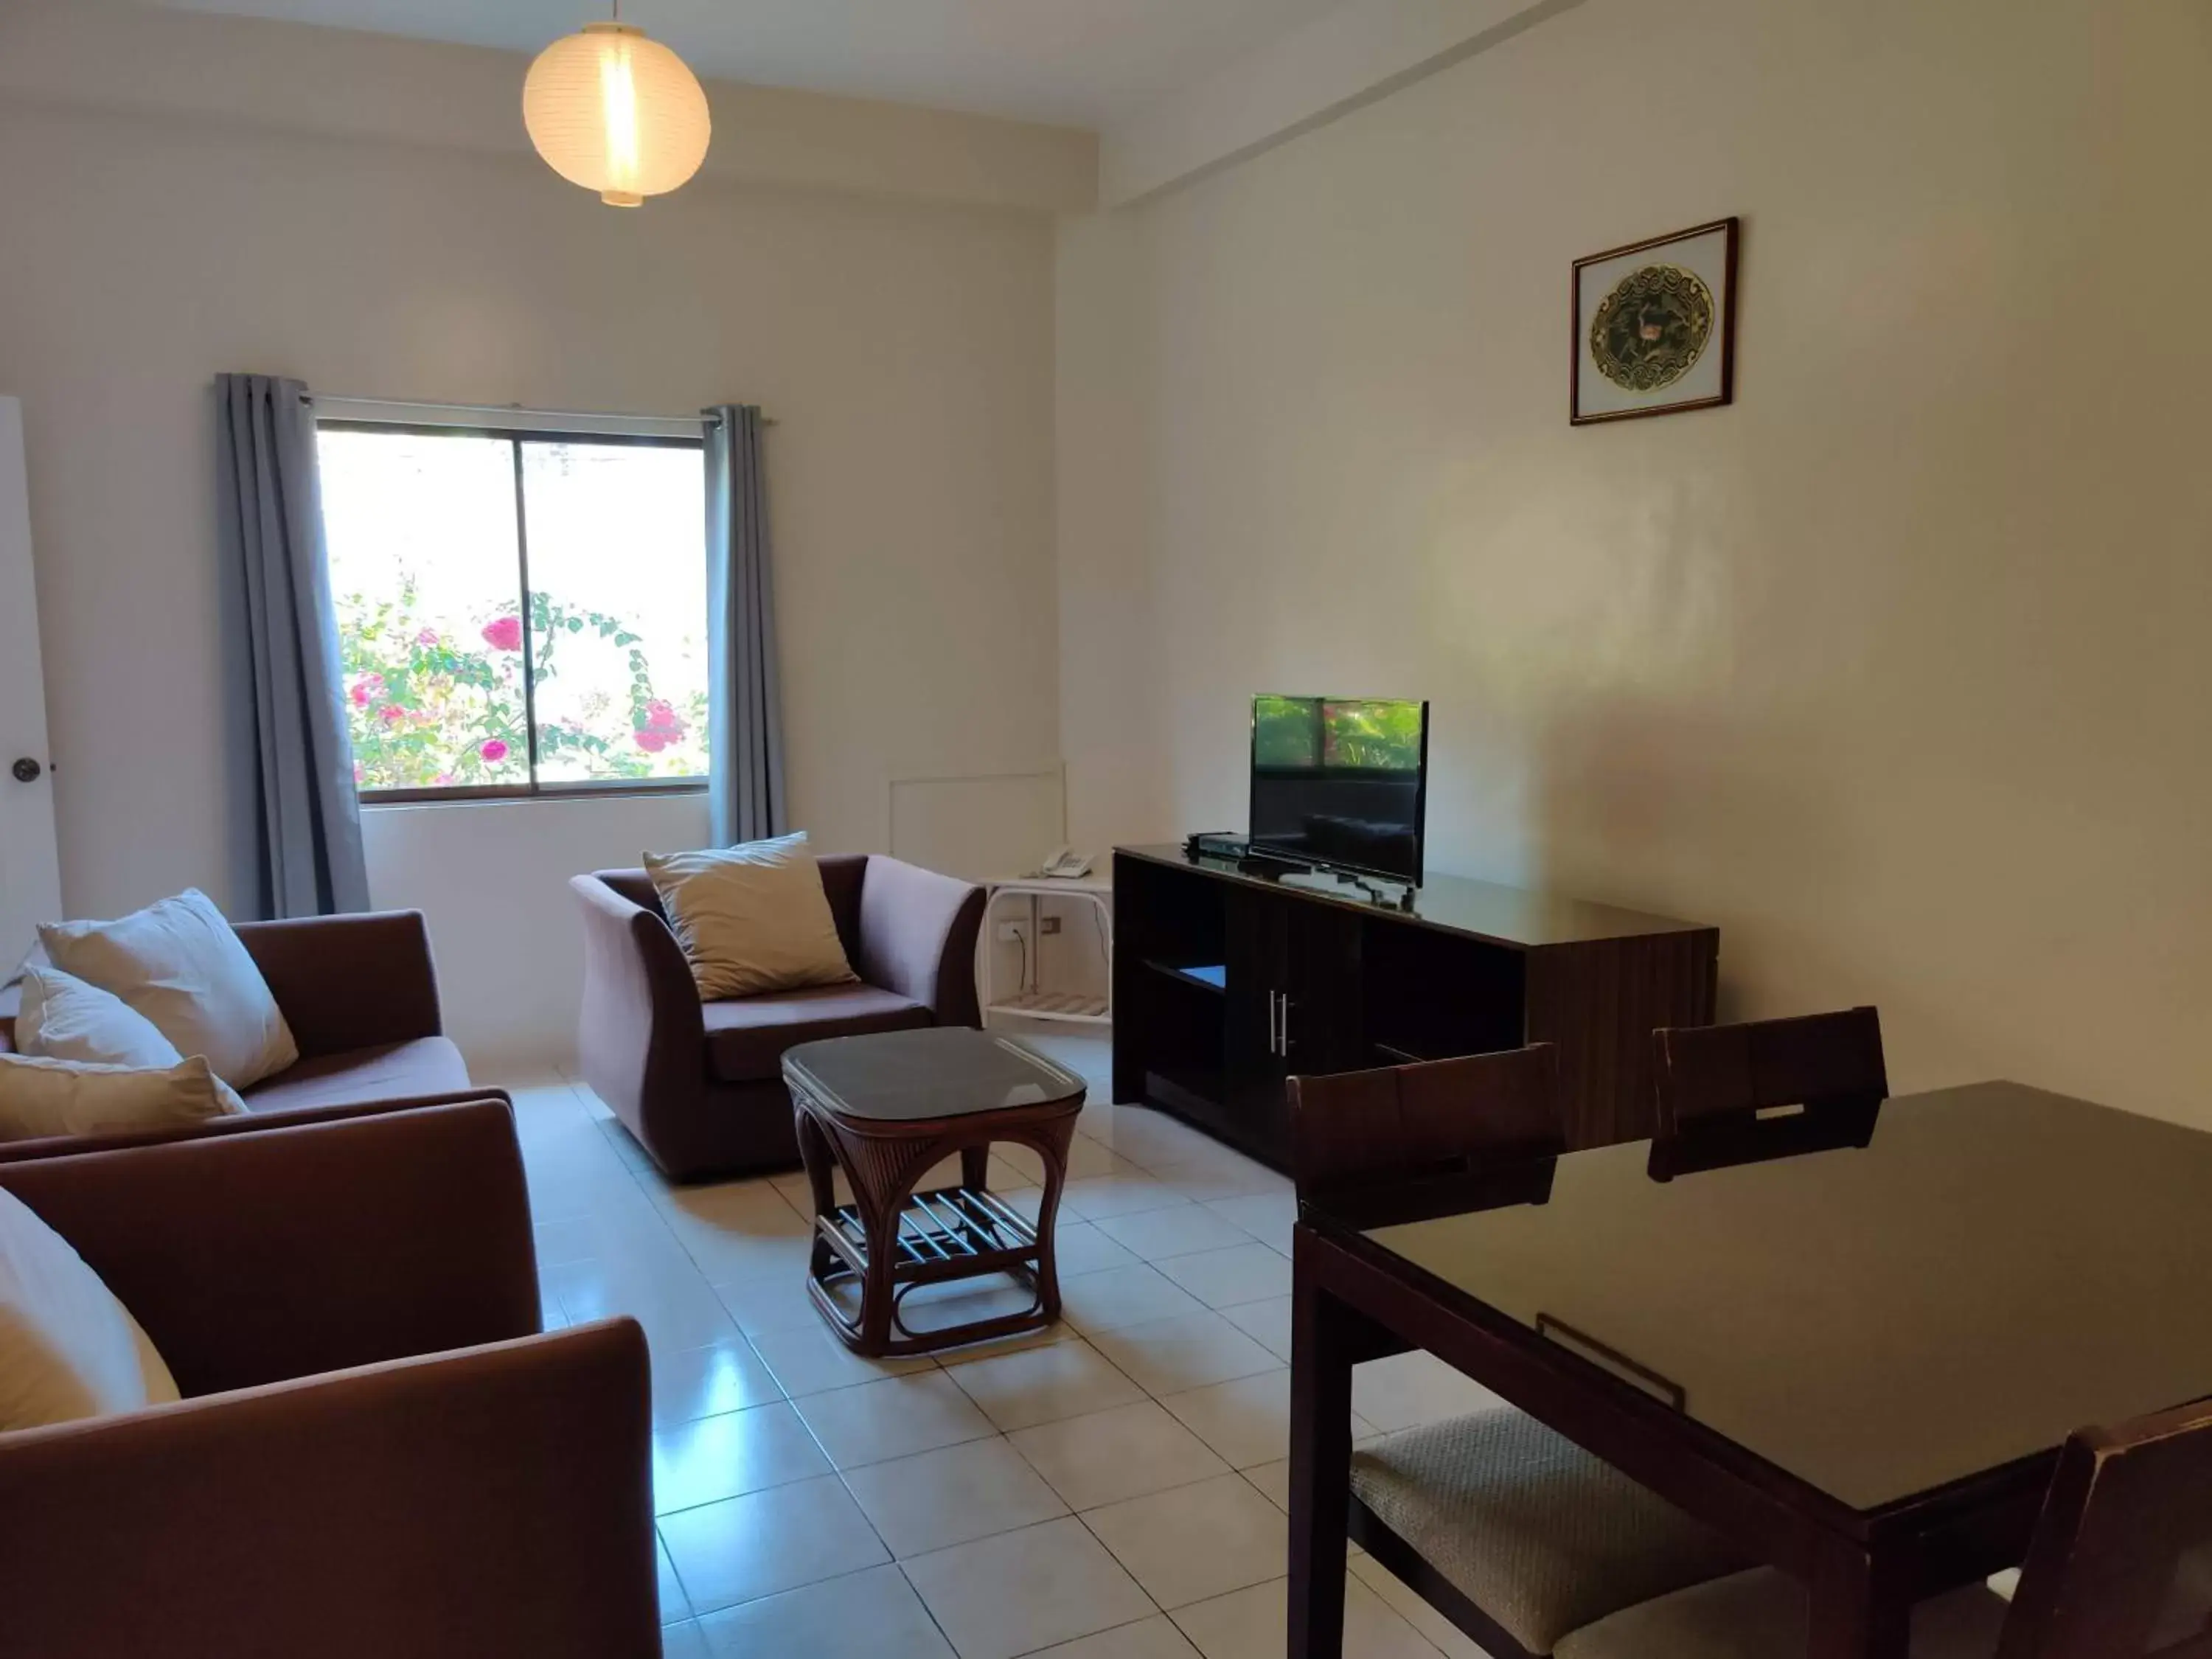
(506, 409)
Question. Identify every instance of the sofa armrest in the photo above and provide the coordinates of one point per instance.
(348, 982)
(251, 1258)
(249, 1122)
(497, 1500)
(641, 1037)
(918, 936)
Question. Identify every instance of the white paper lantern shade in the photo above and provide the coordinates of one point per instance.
(616, 112)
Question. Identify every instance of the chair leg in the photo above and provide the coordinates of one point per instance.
(1321, 1351)
(1411, 1568)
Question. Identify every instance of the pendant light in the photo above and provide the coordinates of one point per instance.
(616, 112)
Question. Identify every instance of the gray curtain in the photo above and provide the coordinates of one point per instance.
(297, 787)
(745, 709)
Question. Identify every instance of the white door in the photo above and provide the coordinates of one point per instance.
(30, 868)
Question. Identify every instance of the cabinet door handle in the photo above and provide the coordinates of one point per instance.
(1285, 1049)
(1274, 1022)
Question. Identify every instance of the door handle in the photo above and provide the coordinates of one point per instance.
(1285, 1049)
(27, 771)
(1275, 1038)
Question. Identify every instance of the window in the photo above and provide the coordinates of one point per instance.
(518, 612)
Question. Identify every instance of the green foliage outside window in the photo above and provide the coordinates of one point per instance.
(428, 712)
(1374, 736)
(1286, 732)
(1366, 734)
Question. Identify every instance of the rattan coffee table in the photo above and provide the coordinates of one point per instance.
(884, 1109)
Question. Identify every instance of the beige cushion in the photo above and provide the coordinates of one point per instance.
(1537, 1532)
(389, 1071)
(178, 963)
(1761, 1614)
(68, 1348)
(71, 1097)
(751, 918)
(62, 1018)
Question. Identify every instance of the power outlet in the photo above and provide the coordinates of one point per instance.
(1048, 925)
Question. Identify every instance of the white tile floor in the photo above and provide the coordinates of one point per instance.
(1114, 1488)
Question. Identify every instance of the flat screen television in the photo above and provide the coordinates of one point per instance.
(1340, 782)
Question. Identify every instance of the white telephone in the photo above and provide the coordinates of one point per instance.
(1066, 863)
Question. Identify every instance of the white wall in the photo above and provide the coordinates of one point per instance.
(493, 880)
(904, 345)
(1895, 669)
(1354, 52)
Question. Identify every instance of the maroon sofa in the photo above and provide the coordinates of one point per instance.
(377, 1453)
(700, 1085)
(361, 994)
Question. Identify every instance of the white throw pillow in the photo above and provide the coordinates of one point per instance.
(68, 1348)
(33, 957)
(178, 963)
(62, 1018)
(74, 1097)
(751, 918)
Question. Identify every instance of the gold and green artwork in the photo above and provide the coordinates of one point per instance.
(1652, 328)
(1655, 327)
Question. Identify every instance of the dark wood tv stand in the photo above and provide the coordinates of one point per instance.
(1228, 978)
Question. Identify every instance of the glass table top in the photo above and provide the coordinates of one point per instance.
(938, 1072)
(2000, 1267)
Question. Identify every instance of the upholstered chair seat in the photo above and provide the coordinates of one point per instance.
(1761, 1614)
(1543, 1536)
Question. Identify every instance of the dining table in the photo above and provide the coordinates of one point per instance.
(1858, 1364)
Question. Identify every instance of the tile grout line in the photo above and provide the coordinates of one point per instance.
(923, 1601)
(652, 1191)
(638, 1177)
(1157, 1612)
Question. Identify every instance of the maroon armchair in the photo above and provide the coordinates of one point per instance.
(700, 1085)
(360, 993)
(376, 1452)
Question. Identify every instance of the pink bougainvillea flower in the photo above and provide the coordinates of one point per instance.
(662, 717)
(392, 713)
(492, 750)
(428, 636)
(504, 633)
(650, 740)
(367, 686)
(443, 779)
(356, 772)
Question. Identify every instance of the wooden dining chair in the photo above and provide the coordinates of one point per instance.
(2120, 1568)
(1402, 1143)
(1767, 1088)
(1511, 1531)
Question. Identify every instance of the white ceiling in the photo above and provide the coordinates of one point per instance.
(1082, 62)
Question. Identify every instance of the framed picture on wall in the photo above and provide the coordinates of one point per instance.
(1655, 327)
